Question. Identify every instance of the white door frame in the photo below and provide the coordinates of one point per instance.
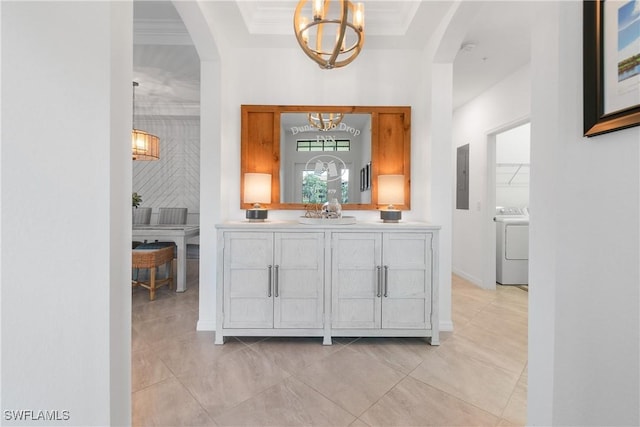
(489, 228)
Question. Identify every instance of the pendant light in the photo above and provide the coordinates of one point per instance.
(144, 146)
(331, 32)
(325, 121)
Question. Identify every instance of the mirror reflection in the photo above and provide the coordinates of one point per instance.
(321, 152)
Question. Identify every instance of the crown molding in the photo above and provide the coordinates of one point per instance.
(160, 31)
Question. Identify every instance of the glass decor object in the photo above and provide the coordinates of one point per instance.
(332, 209)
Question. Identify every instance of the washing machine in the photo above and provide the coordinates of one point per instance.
(512, 246)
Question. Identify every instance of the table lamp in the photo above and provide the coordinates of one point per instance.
(257, 189)
(390, 192)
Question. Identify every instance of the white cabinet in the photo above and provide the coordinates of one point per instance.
(286, 279)
(381, 280)
(273, 280)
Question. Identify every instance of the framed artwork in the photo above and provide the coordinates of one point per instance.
(611, 65)
(362, 183)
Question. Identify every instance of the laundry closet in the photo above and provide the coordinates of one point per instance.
(512, 205)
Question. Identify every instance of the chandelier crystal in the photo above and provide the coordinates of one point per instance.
(330, 32)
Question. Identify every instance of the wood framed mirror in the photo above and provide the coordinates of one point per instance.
(311, 150)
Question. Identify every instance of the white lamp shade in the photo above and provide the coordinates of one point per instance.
(391, 189)
(257, 188)
(144, 146)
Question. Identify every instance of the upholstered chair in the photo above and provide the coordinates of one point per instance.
(173, 216)
(141, 216)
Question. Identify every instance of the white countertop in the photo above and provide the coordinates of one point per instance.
(359, 225)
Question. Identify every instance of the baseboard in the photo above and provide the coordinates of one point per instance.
(206, 325)
(446, 326)
(476, 281)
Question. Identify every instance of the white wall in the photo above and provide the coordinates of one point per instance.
(584, 294)
(512, 160)
(475, 123)
(66, 182)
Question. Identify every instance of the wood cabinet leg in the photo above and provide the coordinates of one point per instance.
(152, 284)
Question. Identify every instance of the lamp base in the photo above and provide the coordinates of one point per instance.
(256, 215)
(390, 215)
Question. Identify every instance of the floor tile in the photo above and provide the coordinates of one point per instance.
(507, 311)
(167, 404)
(147, 369)
(234, 378)
(504, 324)
(490, 347)
(516, 410)
(477, 376)
(401, 354)
(474, 381)
(344, 340)
(160, 307)
(137, 341)
(156, 331)
(507, 423)
(351, 379)
(291, 403)
(412, 403)
(293, 354)
(195, 351)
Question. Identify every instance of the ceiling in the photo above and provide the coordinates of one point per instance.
(496, 41)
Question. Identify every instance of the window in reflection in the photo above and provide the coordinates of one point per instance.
(315, 186)
(323, 144)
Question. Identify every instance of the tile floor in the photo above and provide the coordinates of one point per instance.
(476, 377)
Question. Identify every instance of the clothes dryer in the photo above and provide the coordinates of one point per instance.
(512, 246)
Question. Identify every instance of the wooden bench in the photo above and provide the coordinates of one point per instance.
(150, 256)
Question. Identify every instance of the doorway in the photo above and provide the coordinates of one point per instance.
(508, 171)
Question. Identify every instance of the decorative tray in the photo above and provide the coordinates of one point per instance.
(345, 220)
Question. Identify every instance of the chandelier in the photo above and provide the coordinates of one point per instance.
(325, 121)
(334, 34)
(144, 146)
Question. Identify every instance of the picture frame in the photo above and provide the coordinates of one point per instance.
(362, 183)
(611, 77)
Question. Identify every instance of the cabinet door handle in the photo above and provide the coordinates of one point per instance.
(269, 289)
(277, 280)
(386, 281)
(378, 284)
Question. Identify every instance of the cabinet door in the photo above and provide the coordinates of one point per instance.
(355, 280)
(299, 285)
(406, 303)
(247, 294)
